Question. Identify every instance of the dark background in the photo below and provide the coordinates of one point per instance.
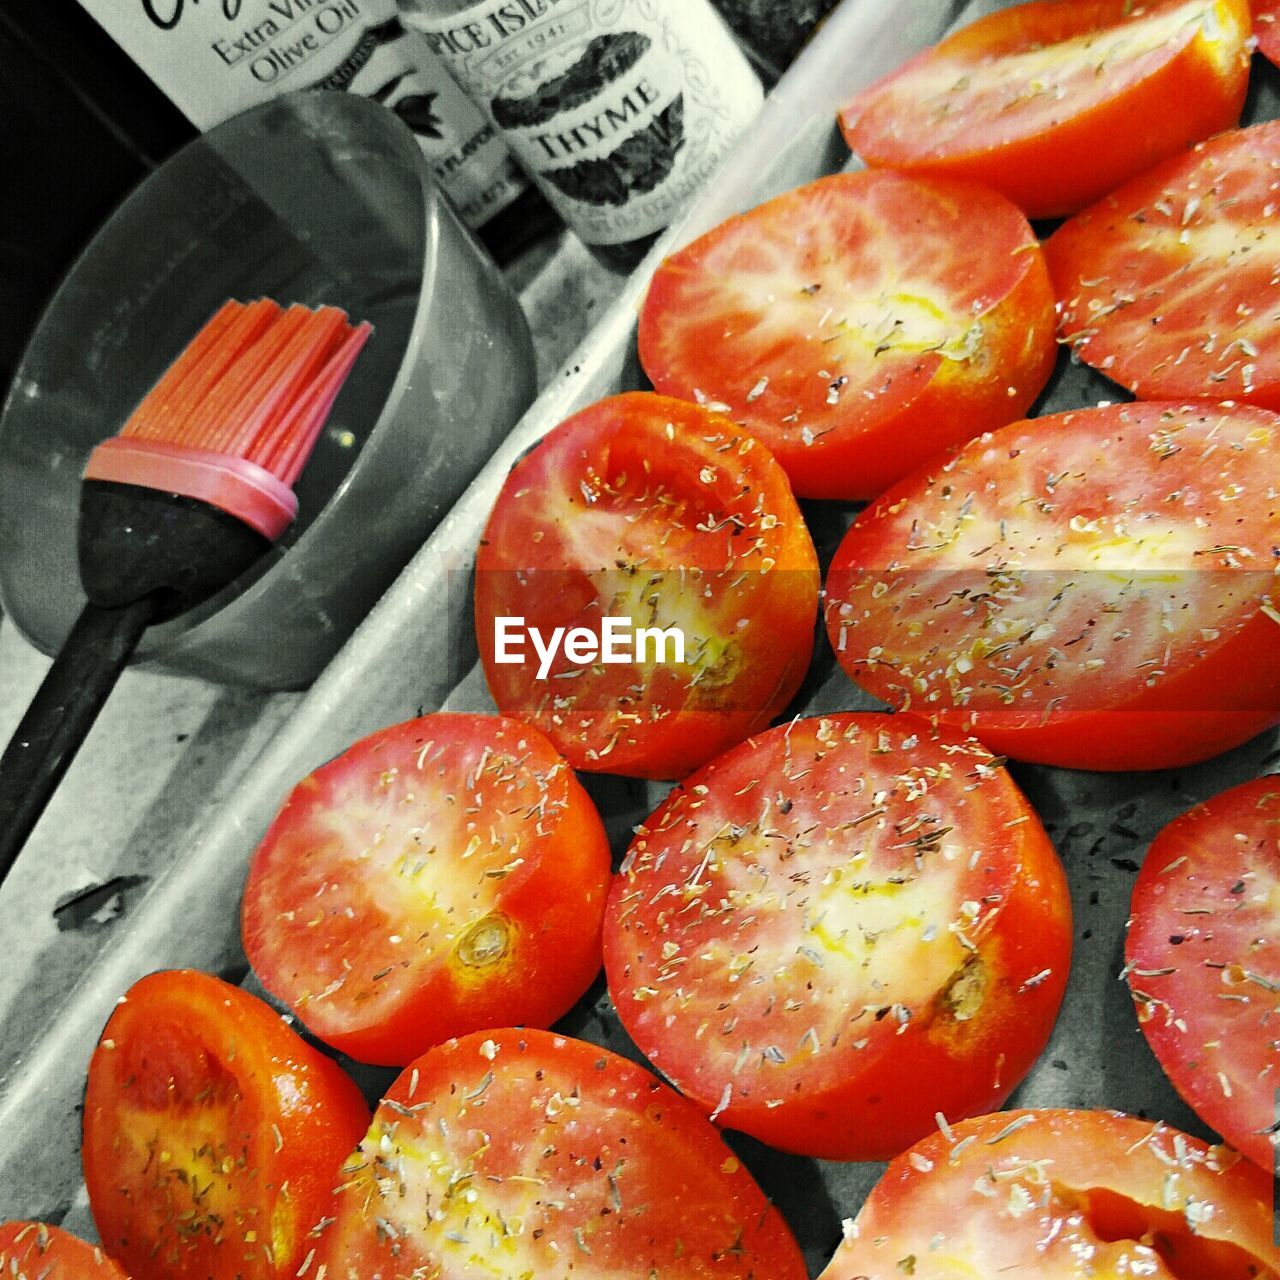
(81, 126)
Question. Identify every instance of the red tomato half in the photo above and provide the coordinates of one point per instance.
(1054, 103)
(1204, 961)
(1167, 285)
(36, 1251)
(442, 875)
(1062, 1195)
(212, 1133)
(857, 325)
(1090, 589)
(838, 930)
(666, 518)
(518, 1154)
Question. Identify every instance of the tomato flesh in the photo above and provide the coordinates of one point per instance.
(1062, 1195)
(1054, 104)
(441, 876)
(857, 325)
(37, 1251)
(839, 929)
(1203, 957)
(1091, 589)
(667, 517)
(516, 1154)
(211, 1133)
(1266, 14)
(1164, 284)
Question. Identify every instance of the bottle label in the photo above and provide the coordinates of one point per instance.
(620, 109)
(220, 57)
(467, 154)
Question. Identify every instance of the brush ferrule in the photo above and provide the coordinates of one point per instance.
(234, 485)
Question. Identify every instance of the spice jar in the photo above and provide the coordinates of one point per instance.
(620, 110)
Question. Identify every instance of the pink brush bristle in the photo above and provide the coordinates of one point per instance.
(162, 413)
(289, 446)
(252, 396)
(236, 416)
(235, 387)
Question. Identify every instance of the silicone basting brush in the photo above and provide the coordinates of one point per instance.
(194, 489)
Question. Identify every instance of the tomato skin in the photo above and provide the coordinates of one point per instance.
(573, 1160)
(712, 324)
(862, 1087)
(1104, 130)
(1203, 960)
(1062, 1195)
(370, 878)
(196, 1070)
(658, 511)
(1161, 573)
(1162, 284)
(1156, 733)
(43, 1252)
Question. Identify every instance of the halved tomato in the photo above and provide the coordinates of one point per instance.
(1203, 961)
(1091, 589)
(37, 1251)
(857, 325)
(646, 588)
(1167, 285)
(1056, 102)
(839, 929)
(519, 1154)
(212, 1133)
(1062, 1195)
(440, 876)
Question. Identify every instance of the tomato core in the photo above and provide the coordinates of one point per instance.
(485, 943)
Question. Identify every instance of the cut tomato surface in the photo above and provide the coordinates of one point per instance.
(37, 1251)
(1056, 102)
(1266, 16)
(441, 876)
(681, 528)
(839, 929)
(1203, 957)
(1062, 1195)
(857, 325)
(515, 1154)
(212, 1133)
(1166, 285)
(1092, 589)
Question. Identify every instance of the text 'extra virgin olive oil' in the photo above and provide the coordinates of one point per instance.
(620, 110)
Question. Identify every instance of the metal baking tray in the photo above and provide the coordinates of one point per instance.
(416, 653)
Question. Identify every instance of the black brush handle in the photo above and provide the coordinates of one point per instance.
(61, 714)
